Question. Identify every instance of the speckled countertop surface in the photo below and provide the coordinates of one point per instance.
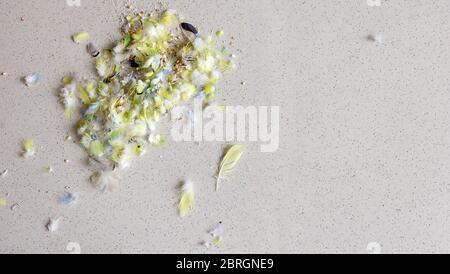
(364, 133)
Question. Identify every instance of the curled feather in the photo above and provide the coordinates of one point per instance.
(29, 148)
(229, 162)
(187, 199)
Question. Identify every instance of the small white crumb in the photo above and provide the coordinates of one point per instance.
(53, 225)
(4, 73)
(206, 244)
(4, 173)
(243, 83)
(14, 207)
(49, 170)
(217, 230)
(66, 161)
(377, 37)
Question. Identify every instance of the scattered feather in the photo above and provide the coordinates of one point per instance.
(377, 37)
(187, 199)
(14, 207)
(67, 199)
(206, 244)
(217, 230)
(4, 173)
(32, 79)
(48, 169)
(53, 225)
(150, 70)
(218, 241)
(229, 162)
(80, 37)
(220, 33)
(105, 180)
(29, 148)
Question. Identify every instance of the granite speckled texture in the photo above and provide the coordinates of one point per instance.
(364, 133)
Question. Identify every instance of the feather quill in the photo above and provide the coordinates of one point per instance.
(187, 199)
(229, 162)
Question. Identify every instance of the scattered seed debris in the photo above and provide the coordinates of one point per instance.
(92, 50)
(153, 68)
(80, 37)
(14, 207)
(53, 225)
(189, 27)
(32, 79)
(22, 18)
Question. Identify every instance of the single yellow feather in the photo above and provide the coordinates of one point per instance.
(29, 148)
(229, 162)
(187, 199)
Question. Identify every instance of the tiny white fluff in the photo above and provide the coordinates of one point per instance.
(376, 37)
(217, 230)
(32, 79)
(53, 225)
(4, 173)
(105, 180)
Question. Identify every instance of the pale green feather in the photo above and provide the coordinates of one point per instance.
(229, 162)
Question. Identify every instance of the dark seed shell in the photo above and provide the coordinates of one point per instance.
(189, 27)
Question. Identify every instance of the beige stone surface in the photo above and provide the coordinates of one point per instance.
(364, 132)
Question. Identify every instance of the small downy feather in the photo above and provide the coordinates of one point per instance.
(68, 199)
(80, 37)
(29, 148)
(187, 199)
(4, 173)
(229, 162)
(32, 79)
(217, 230)
(218, 241)
(53, 225)
(105, 180)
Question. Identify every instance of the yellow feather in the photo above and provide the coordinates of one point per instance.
(187, 199)
(229, 162)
